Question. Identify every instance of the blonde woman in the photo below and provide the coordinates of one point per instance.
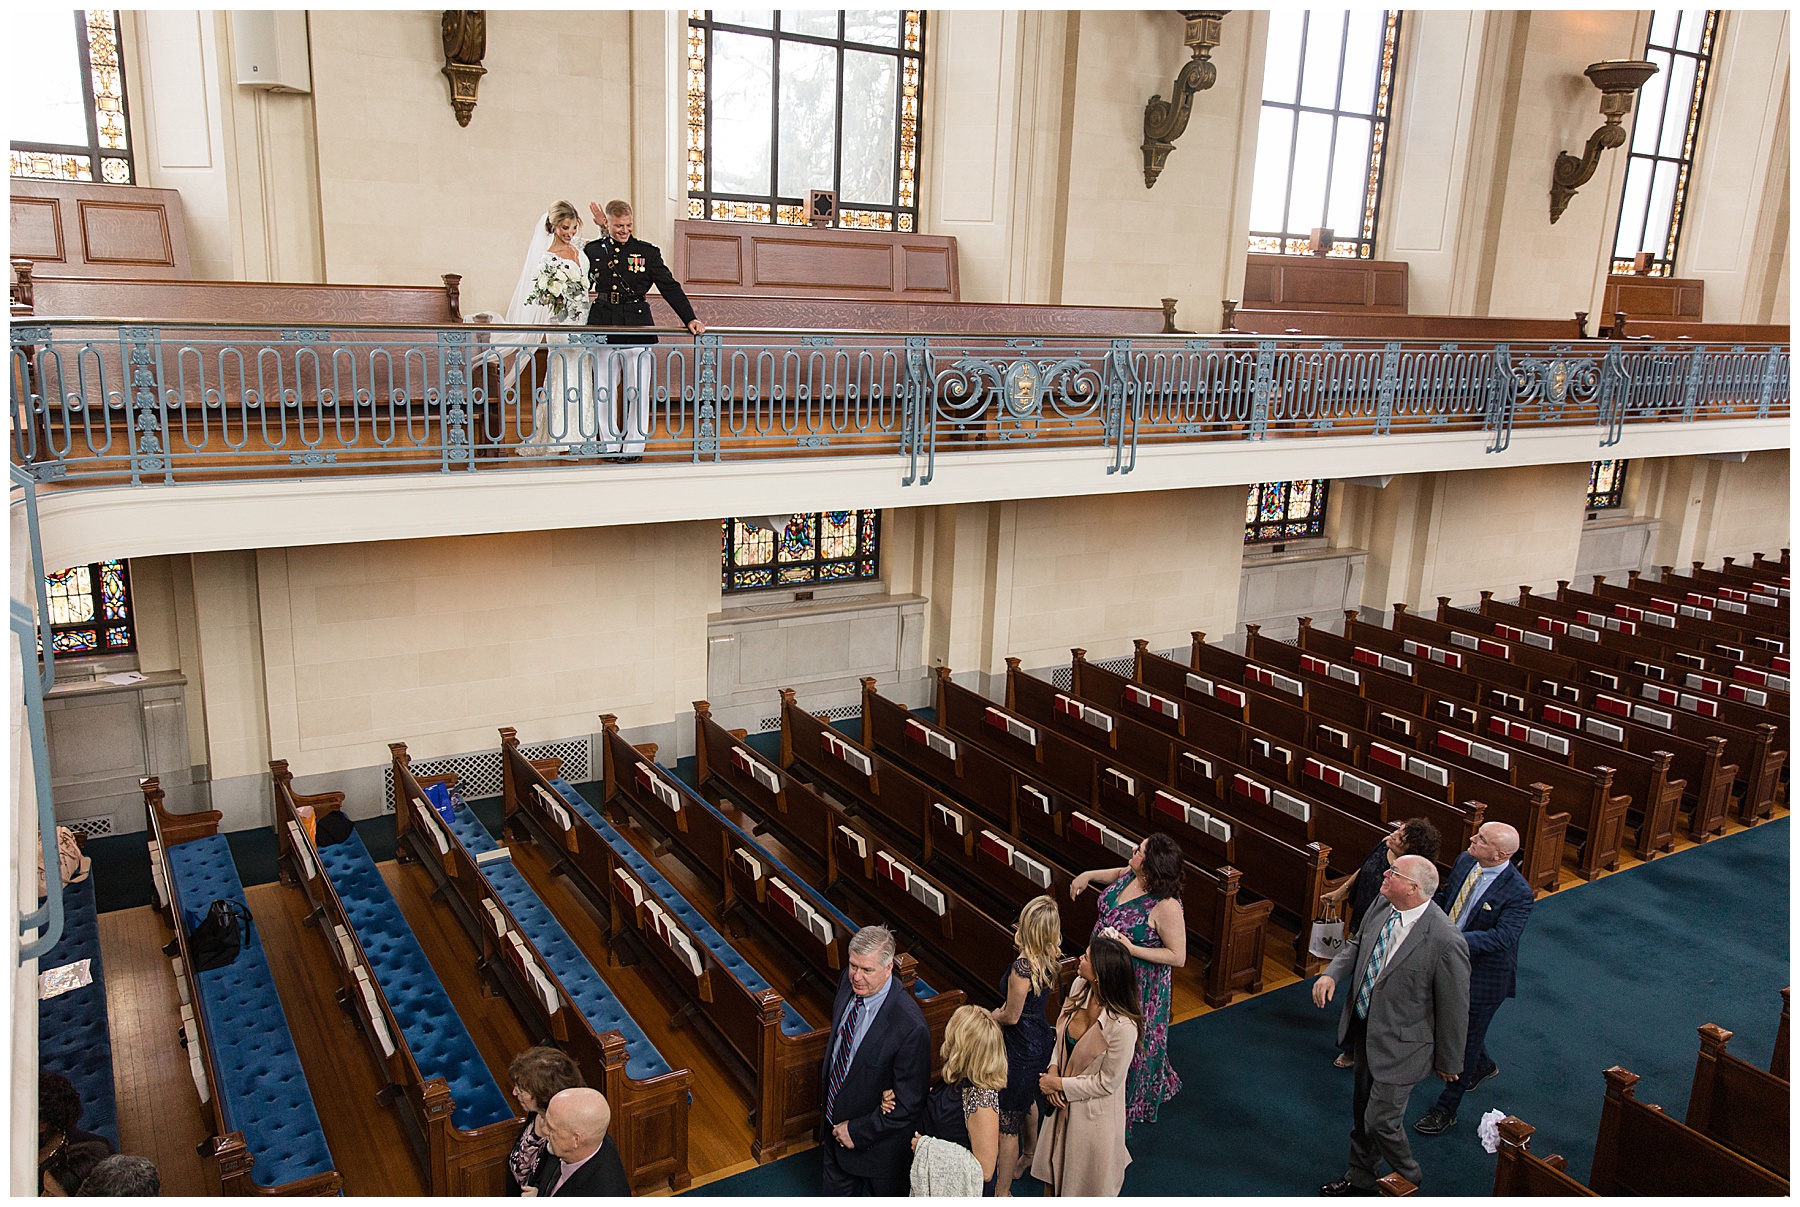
(1028, 981)
(1081, 1149)
(552, 291)
(965, 1108)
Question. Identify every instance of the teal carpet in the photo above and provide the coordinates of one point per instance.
(1619, 972)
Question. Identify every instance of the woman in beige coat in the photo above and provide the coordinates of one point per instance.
(1081, 1146)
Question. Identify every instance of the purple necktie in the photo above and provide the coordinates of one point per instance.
(840, 1064)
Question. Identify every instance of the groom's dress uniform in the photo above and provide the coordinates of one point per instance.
(622, 273)
(1404, 983)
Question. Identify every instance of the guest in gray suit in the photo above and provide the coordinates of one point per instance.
(1405, 1014)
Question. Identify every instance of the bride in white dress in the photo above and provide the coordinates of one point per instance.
(552, 291)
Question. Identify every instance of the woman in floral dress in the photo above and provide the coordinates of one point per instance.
(1141, 907)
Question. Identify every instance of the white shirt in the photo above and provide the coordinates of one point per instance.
(1407, 918)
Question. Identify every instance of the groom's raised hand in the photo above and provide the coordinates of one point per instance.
(594, 209)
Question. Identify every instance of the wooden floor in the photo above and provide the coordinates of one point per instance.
(160, 1117)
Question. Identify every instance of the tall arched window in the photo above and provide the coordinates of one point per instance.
(781, 102)
(1327, 88)
(1661, 160)
(67, 95)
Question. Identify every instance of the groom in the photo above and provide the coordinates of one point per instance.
(623, 271)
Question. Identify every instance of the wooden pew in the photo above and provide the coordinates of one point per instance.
(494, 903)
(247, 1117)
(1685, 632)
(1292, 876)
(1642, 1151)
(1711, 612)
(1738, 1104)
(772, 1048)
(456, 1160)
(1226, 928)
(1778, 1063)
(1521, 1173)
(1771, 597)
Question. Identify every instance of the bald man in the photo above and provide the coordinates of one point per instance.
(1405, 1011)
(582, 1159)
(1489, 902)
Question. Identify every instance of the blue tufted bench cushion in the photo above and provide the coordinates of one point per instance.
(438, 1039)
(591, 995)
(793, 879)
(262, 1088)
(73, 1038)
(726, 955)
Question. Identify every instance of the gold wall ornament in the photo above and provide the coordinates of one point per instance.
(1618, 81)
(465, 45)
(1165, 121)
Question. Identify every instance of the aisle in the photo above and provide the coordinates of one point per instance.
(1618, 972)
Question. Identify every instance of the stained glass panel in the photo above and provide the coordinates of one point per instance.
(763, 100)
(86, 602)
(831, 546)
(1606, 484)
(1328, 82)
(1665, 126)
(1280, 511)
(71, 95)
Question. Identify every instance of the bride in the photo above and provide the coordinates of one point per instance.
(553, 291)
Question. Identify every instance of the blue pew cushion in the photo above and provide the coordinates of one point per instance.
(73, 1036)
(262, 1088)
(591, 995)
(723, 952)
(434, 1032)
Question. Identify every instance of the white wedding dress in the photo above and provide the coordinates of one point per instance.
(564, 416)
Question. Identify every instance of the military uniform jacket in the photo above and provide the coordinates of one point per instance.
(622, 273)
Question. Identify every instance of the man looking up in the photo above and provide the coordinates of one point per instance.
(581, 1159)
(1489, 901)
(879, 1041)
(1405, 1011)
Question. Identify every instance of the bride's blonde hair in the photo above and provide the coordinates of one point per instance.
(558, 212)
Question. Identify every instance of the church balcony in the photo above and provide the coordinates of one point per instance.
(152, 438)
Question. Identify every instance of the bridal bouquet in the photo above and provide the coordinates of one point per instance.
(560, 286)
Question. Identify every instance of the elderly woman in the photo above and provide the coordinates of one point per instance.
(538, 1075)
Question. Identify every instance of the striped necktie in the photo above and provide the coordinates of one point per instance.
(840, 1064)
(1377, 958)
(1462, 894)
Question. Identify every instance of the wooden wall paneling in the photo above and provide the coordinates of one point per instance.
(1325, 283)
(1660, 299)
(100, 230)
(738, 258)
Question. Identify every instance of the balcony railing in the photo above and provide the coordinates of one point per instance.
(110, 402)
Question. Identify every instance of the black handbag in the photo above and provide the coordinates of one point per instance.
(334, 828)
(221, 934)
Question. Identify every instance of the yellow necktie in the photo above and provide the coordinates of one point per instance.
(1462, 894)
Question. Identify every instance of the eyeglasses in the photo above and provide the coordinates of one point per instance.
(1398, 876)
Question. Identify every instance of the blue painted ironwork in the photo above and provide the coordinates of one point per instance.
(115, 402)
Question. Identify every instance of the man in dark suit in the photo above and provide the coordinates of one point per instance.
(623, 270)
(879, 1041)
(1489, 901)
(1405, 1013)
(581, 1160)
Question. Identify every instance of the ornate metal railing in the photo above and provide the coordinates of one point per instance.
(106, 402)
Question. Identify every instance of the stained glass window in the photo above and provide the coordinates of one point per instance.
(90, 609)
(821, 547)
(1285, 511)
(1661, 160)
(1328, 85)
(67, 95)
(1606, 484)
(767, 118)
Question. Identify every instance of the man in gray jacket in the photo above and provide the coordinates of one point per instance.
(1405, 1011)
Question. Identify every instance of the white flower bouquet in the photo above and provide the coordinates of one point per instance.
(560, 286)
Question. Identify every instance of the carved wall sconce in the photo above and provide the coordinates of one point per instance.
(465, 45)
(1618, 81)
(1165, 121)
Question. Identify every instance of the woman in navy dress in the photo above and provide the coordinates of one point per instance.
(1029, 1037)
